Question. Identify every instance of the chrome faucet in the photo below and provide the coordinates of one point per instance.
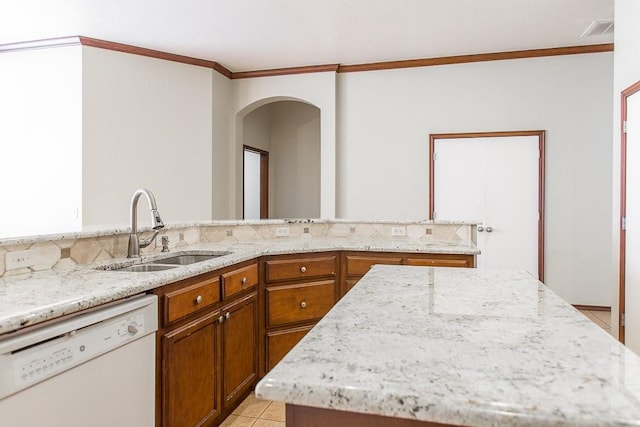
(135, 244)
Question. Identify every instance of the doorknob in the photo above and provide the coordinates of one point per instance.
(489, 229)
(480, 229)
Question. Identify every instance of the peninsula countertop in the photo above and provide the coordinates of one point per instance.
(460, 347)
(46, 295)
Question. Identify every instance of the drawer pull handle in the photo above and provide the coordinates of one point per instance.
(227, 315)
(303, 304)
(244, 280)
(221, 319)
(303, 269)
(198, 299)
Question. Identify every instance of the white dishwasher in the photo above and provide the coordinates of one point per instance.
(93, 369)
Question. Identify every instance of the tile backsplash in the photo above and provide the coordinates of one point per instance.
(20, 256)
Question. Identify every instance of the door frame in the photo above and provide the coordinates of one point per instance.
(541, 162)
(624, 96)
(264, 180)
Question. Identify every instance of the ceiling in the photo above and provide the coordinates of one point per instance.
(264, 34)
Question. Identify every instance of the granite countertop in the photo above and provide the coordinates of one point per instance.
(37, 297)
(461, 347)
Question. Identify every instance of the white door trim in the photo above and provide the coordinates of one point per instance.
(541, 162)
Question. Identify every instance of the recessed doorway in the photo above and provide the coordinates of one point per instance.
(255, 185)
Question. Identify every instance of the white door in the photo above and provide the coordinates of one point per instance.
(251, 193)
(494, 181)
(632, 248)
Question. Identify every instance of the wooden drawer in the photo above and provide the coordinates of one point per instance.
(300, 268)
(238, 280)
(190, 299)
(279, 343)
(440, 262)
(299, 303)
(360, 265)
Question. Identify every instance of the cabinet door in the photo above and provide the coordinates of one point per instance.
(191, 372)
(280, 342)
(239, 348)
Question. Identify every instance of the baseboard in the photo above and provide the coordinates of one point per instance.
(592, 307)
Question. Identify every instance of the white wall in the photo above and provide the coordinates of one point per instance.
(146, 123)
(223, 148)
(385, 118)
(626, 73)
(294, 158)
(318, 89)
(40, 141)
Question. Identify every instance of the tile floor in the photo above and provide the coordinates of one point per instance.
(254, 412)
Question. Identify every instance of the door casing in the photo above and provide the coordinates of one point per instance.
(631, 90)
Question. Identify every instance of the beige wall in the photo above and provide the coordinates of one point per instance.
(146, 123)
(295, 160)
(384, 122)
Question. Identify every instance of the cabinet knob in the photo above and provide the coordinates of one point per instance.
(480, 229)
(244, 280)
(198, 299)
(221, 319)
(489, 229)
(227, 315)
(303, 304)
(303, 269)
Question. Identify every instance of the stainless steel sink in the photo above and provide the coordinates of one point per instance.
(186, 259)
(160, 264)
(146, 268)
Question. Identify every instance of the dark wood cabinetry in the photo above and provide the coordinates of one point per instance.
(356, 264)
(239, 349)
(190, 373)
(207, 346)
(299, 291)
(221, 331)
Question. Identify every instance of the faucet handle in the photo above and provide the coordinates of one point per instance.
(165, 243)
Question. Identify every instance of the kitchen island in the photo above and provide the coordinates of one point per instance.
(439, 346)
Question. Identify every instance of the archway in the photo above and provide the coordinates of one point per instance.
(289, 131)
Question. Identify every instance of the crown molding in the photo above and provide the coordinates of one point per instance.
(482, 57)
(285, 71)
(375, 66)
(135, 50)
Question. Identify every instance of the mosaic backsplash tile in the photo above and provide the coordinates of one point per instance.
(66, 252)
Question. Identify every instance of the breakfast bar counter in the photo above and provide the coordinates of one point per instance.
(440, 346)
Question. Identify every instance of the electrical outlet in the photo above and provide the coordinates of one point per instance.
(282, 231)
(398, 231)
(16, 260)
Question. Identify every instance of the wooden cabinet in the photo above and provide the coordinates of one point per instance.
(239, 349)
(280, 342)
(299, 291)
(190, 373)
(220, 331)
(356, 264)
(207, 346)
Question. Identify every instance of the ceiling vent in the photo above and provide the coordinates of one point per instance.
(598, 27)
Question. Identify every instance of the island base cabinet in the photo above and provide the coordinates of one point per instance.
(190, 373)
(305, 416)
(239, 349)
